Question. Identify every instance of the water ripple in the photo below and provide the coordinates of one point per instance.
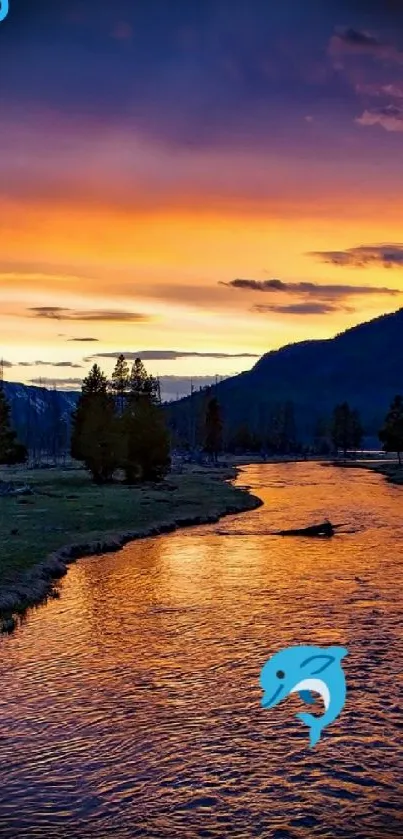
(131, 706)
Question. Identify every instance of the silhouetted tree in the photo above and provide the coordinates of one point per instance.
(120, 383)
(391, 435)
(346, 429)
(282, 433)
(146, 438)
(11, 451)
(146, 453)
(142, 384)
(213, 429)
(95, 439)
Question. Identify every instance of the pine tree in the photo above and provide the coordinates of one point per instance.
(391, 435)
(347, 431)
(120, 382)
(213, 429)
(11, 452)
(341, 427)
(146, 438)
(142, 384)
(95, 433)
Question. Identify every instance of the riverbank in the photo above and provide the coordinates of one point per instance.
(67, 517)
(390, 470)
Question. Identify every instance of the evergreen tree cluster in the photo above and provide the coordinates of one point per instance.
(347, 431)
(11, 451)
(119, 425)
(343, 431)
(391, 434)
(274, 430)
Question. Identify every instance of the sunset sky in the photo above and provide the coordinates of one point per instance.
(196, 182)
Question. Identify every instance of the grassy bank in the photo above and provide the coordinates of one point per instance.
(67, 517)
(390, 470)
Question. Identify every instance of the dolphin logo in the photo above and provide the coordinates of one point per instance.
(3, 9)
(303, 669)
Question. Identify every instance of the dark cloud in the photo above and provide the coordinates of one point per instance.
(209, 74)
(302, 309)
(83, 340)
(49, 364)
(59, 313)
(198, 75)
(69, 384)
(309, 289)
(172, 387)
(66, 364)
(372, 64)
(387, 256)
(357, 39)
(258, 285)
(378, 78)
(169, 355)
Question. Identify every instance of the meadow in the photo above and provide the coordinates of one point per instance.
(66, 508)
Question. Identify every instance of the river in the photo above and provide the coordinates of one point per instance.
(130, 707)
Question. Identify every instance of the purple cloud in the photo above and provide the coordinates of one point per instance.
(309, 289)
(59, 313)
(390, 118)
(169, 355)
(387, 256)
(302, 309)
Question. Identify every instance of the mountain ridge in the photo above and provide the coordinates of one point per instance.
(362, 365)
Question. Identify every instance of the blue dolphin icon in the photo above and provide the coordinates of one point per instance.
(303, 669)
(3, 9)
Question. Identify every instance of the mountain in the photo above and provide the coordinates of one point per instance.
(40, 416)
(363, 366)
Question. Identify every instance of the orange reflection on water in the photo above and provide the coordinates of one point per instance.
(136, 695)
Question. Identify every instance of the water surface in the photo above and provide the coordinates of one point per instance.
(131, 706)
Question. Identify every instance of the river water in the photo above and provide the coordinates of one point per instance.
(131, 706)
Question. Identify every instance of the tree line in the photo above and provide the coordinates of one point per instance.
(275, 432)
(121, 424)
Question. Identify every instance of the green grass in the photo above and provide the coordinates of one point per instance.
(66, 508)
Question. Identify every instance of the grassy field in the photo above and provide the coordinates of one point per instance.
(67, 508)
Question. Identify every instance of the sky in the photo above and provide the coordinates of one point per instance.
(195, 183)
